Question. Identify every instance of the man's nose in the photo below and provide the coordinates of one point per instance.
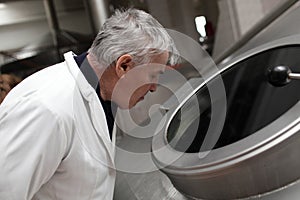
(153, 87)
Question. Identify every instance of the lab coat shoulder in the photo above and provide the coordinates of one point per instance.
(33, 144)
(36, 127)
(62, 148)
(50, 90)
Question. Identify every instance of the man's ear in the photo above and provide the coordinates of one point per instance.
(123, 64)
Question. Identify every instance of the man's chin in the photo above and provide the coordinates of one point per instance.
(131, 104)
(127, 107)
(141, 99)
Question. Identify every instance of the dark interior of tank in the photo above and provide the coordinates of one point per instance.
(252, 102)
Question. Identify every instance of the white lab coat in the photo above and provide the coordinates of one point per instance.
(54, 140)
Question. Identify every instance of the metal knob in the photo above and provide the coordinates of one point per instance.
(281, 75)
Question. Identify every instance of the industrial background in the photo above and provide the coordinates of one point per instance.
(257, 154)
(32, 27)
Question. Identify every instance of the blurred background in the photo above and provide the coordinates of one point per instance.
(35, 33)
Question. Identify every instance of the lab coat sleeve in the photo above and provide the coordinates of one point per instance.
(32, 145)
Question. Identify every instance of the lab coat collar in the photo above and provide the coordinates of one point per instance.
(88, 93)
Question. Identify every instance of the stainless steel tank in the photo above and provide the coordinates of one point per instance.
(258, 149)
(256, 153)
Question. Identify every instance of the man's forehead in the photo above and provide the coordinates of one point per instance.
(156, 67)
(160, 58)
(153, 66)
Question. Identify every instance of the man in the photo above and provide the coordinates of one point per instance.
(55, 141)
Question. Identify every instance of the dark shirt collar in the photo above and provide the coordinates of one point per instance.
(109, 107)
(87, 70)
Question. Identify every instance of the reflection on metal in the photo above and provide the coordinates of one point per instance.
(268, 19)
(262, 127)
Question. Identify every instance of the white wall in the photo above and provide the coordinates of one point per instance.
(236, 18)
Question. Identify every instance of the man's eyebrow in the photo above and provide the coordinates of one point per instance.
(161, 71)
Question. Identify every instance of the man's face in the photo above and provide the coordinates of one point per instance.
(138, 81)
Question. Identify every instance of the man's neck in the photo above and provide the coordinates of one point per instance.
(105, 76)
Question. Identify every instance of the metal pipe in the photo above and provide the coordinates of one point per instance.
(90, 15)
(52, 20)
(268, 19)
(99, 11)
(295, 76)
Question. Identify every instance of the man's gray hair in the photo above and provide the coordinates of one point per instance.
(133, 32)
